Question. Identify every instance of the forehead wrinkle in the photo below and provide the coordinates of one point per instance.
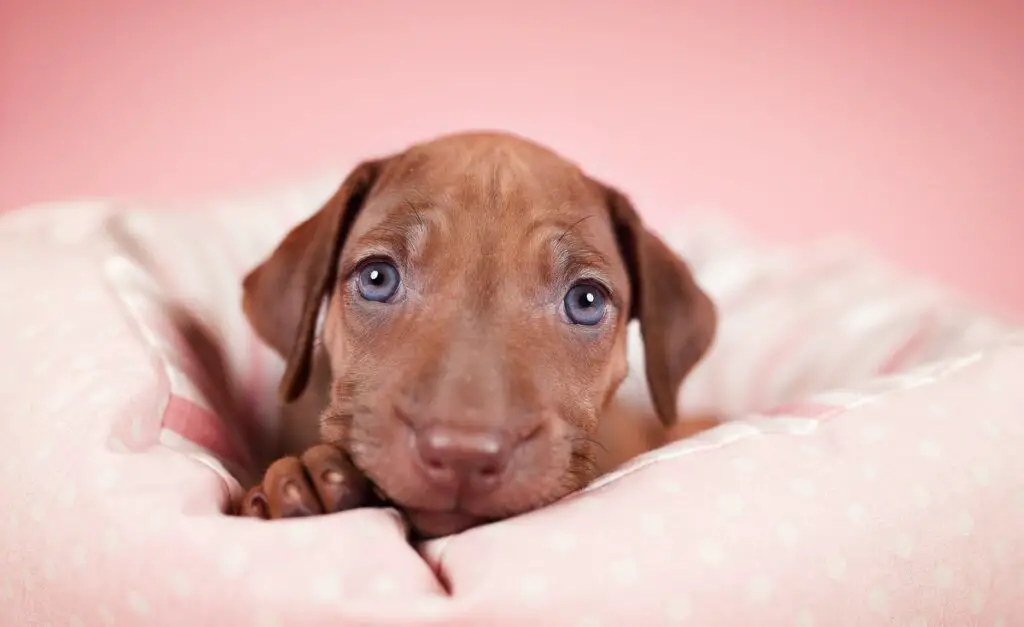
(565, 254)
(402, 229)
(574, 258)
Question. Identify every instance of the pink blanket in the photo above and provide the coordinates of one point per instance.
(873, 474)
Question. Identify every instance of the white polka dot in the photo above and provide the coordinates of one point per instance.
(652, 524)
(37, 512)
(918, 621)
(561, 541)
(137, 603)
(812, 450)
(6, 589)
(959, 485)
(803, 487)
(804, 618)
(759, 589)
(877, 601)
(1000, 553)
(42, 453)
(68, 496)
(106, 616)
(872, 434)
(267, 619)
(49, 570)
(944, 577)
(105, 478)
(856, 515)
(326, 588)
(75, 621)
(982, 474)
(1000, 622)
(532, 589)
(930, 450)
(678, 611)
(180, 585)
(730, 504)
(233, 559)
(28, 580)
(625, 572)
(299, 534)
(710, 553)
(904, 546)
(742, 465)
(668, 486)
(384, 585)
(991, 428)
(963, 524)
(590, 620)
(78, 556)
(835, 567)
(787, 534)
(110, 540)
(922, 497)
(429, 606)
(977, 602)
(138, 429)
(869, 472)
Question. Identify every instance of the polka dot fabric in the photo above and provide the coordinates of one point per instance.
(871, 474)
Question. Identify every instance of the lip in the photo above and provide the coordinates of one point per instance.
(430, 524)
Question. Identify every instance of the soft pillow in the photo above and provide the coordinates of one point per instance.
(872, 474)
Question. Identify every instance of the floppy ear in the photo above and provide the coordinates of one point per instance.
(677, 319)
(282, 296)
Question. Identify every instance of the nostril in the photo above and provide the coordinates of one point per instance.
(449, 455)
(435, 464)
(488, 472)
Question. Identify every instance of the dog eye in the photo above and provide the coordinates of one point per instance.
(585, 304)
(377, 281)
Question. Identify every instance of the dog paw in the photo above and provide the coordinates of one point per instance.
(321, 481)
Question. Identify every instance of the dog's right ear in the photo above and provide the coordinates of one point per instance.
(282, 296)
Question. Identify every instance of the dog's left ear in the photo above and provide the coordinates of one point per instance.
(283, 295)
(677, 319)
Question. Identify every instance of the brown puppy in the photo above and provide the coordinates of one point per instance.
(476, 289)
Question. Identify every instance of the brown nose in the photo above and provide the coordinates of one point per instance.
(455, 458)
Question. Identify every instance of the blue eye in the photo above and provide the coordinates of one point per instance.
(377, 281)
(585, 304)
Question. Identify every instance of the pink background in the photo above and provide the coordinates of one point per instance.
(899, 121)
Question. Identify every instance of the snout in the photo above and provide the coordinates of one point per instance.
(466, 462)
(449, 469)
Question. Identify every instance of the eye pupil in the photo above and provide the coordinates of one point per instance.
(378, 281)
(585, 304)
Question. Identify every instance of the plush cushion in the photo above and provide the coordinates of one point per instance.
(871, 475)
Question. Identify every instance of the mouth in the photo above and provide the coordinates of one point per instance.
(429, 524)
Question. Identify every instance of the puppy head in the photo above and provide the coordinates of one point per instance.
(478, 289)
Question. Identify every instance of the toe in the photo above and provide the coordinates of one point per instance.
(337, 482)
(288, 490)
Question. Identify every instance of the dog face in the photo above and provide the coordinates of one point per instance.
(478, 289)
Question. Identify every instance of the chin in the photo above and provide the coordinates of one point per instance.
(428, 525)
(539, 476)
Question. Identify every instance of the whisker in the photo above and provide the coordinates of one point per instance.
(572, 226)
(364, 443)
(590, 440)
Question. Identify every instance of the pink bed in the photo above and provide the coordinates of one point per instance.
(873, 473)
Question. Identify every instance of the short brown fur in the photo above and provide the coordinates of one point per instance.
(487, 231)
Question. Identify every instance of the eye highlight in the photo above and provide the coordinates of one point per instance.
(585, 304)
(377, 281)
